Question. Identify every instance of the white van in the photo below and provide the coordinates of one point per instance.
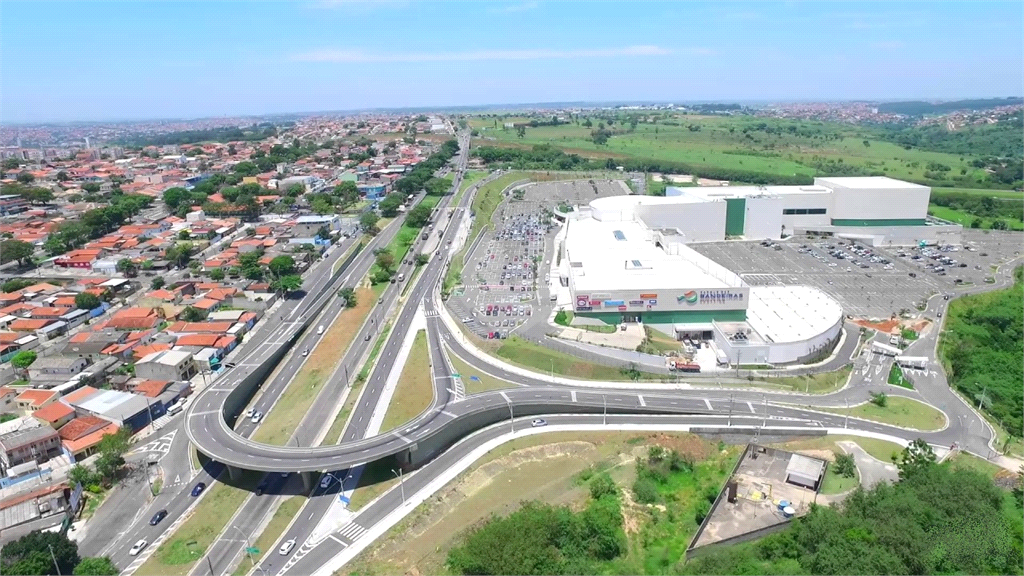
(401, 277)
(320, 330)
(175, 408)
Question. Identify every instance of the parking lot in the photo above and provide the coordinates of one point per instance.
(505, 277)
(869, 282)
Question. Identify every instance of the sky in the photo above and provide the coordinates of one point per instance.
(83, 60)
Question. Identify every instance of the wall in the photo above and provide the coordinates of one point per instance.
(697, 221)
(886, 203)
(807, 201)
(763, 217)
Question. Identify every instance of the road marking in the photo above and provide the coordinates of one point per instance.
(352, 531)
(641, 400)
(751, 406)
(708, 403)
(573, 395)
(338, 540)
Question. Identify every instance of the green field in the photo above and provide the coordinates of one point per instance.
(899, 411)
(468, 179)
(775, 146)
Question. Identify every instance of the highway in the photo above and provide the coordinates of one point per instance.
(270, 333)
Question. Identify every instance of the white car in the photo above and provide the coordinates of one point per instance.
(256, 417)
(287, 547)
(538, 422)
(305, 352)
(138, 547)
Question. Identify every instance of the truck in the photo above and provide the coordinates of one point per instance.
(683, 365)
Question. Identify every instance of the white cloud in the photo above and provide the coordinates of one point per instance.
(358, 56)
(520, 7)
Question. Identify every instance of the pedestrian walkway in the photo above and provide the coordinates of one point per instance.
(351, 531)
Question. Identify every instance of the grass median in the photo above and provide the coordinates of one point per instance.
(189, 543)
(277, 525)
(898, 411)
(341, 418)
(822, 383)
(415, 388)
(526, 354)
(468, 179)
(483, 382)
(281, 421)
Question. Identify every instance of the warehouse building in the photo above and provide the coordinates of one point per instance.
(875, 210)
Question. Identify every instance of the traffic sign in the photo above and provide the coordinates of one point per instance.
(456, 375)
(252, 550)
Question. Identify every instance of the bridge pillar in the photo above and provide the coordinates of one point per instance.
(235, 474)
(308, 480)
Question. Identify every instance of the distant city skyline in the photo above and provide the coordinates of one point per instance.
(109, 61)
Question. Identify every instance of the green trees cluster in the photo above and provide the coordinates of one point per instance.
(44, 553)
(547, 540)
(980, 206)
(981, 348)
(424, 171)
(936, 520)
(95, 223)
(251, 133)
(34, 194)
(11, 250)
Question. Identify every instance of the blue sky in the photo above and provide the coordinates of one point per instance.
(125, 60)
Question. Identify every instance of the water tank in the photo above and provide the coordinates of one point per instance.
(783, 504)
(788, 511)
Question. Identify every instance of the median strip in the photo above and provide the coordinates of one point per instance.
(415, 389)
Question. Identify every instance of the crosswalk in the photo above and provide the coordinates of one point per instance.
(351, 531)
(431, 313)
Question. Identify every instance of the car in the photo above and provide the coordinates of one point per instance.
(157, 517)
(538, 422)
(945, 297)
(250, 412)
(285, 474)
(138, 547)
(198, 489)
(286, 547)
(319, 330)
(939, 314)
(326, 481)
(380, 300)
(305, 352)
(912, 275)
(366, 338)
(229, 364)
(256, 417)
(262, 487)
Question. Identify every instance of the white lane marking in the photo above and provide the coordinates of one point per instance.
(751, 406)
(573, 395)
(352, 531)
(707, 403)
(641, 400)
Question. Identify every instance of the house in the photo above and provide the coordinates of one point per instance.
(55, 414)
(7, 396)
(167, 365)
(33, 444)
(30, 325)
(56, 367)
(80, 436)
(121, 408)
(32, 400)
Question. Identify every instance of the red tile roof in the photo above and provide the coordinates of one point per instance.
(53, 412)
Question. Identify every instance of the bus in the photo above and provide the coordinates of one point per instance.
(919, 362)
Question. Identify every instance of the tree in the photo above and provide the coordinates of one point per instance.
(91, 187)
(295, 190)
(437, 186)
(112, 449)
(916, 457)
(349, 295)
(102, 566)
(81, 474)
(246, 169)
(385, 260)
(282, 265)
(157, 283)
(418, 216)
(845, 466)
(521, 131)
(631, 371)
(127, 267)
(289, 283)
(879, 399)
(35, 553)
(422, 259)
(348, 192)
(87, 301)
(184, 234)
(602, 485)
(26, 178)
(23, 359)
(368, 221)
(15, 250)
(192, 314)
(390, 204)
(216, 274)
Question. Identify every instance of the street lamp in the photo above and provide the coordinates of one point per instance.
(605, 400)
(248, 549)
(401, 481)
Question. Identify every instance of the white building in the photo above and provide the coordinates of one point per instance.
(876, 210)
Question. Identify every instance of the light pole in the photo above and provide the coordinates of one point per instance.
(605, 400)
(401, 481)
(52, 555)
(846, 424)
(511, 416)
(247, 547)
(552, 368)
(764, 408)
(730, 408)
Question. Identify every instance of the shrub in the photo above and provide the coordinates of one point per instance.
(645, 491)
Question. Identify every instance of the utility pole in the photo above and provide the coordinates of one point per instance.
(605, 400)
(764, 404)
(846, 424)
(52, 555)
(401, 481)
(983, 396)
(511, 416)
